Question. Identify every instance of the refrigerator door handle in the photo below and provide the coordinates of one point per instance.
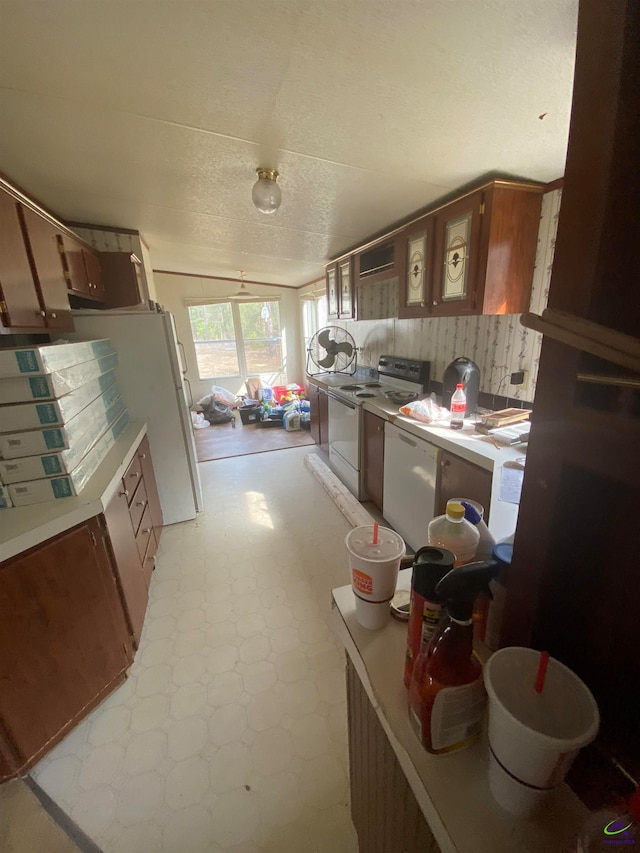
(184, 363)
(190, 400)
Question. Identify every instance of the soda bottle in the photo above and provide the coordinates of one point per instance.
(458, 407)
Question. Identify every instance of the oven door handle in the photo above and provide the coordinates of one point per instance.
(341, 401)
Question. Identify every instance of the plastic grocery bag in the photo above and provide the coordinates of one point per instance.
(427, 411)
(198, 420)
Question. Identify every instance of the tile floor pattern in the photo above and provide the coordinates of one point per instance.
(230, 733)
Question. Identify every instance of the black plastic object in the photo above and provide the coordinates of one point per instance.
(458, 589)
(430, 565)
(462, 370)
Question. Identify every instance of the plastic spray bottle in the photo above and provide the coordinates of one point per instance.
(446, 695)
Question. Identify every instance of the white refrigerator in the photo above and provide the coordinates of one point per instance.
(152, 382)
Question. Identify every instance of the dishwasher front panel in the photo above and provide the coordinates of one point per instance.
(410, 474)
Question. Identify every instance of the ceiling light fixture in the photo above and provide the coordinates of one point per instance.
(266, 193)
(243, 293)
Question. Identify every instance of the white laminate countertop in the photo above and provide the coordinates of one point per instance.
(465, 443)
(24, 527)
(451, 790)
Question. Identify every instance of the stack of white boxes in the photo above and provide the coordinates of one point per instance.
(60, 414)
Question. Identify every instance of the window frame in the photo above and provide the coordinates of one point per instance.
(239, 337)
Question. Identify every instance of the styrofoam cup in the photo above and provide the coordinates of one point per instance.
(374, 572)
(534, 737)
(372, 616)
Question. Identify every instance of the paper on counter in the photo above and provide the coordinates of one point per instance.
(511, 484)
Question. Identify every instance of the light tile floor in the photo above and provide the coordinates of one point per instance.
(230, 733)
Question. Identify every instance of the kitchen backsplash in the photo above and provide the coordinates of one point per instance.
(498, 344)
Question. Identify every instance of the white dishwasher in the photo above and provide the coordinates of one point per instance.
(409, 495)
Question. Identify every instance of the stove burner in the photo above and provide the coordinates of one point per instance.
(365, 394)
(373, 384)
(350, 387)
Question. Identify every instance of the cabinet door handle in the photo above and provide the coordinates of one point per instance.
(134, 474)
(124, 493)
(41, 313)
(435, 302)
(142, 456)
(54, 315)
(147, 530)
(140, 503)
(445, 463)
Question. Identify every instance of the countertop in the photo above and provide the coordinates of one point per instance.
(24, 527)
(452, 790)
(465, 443)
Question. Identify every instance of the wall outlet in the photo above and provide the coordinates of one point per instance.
(520, 379)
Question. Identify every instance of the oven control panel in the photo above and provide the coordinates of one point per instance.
(410, 369)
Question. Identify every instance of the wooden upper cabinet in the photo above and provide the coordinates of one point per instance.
(41, 236)
(485, 250)
(340, 290)
(333, 305)
(123, 279)
(345, 289)
(20, 307)
(81, 268)
(416, 269)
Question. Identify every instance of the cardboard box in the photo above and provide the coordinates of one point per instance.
(5, 500)
(22, 416)
(47, 358)
(55, 488)
(20, 389)
(93, 418)
(27, 468)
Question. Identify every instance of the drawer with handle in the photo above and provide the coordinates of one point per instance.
(132, 477)
(144, 532)
(138, 506)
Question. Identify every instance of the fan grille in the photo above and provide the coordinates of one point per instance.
(332, 350)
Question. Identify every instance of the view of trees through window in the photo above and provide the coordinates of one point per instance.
(236, 339)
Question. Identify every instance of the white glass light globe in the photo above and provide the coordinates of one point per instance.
(266, 193)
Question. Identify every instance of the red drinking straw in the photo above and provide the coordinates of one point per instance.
(375, 533)
(542, 671)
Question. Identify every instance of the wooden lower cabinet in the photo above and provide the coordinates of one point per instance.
(133, 585)
(384, 810)
(133, 519)
(319, 411)
(458, 478)
(64, 641)
(373, 459)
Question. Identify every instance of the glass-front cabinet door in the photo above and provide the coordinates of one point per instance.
(345, 289)
(457, 253)
(416, 273)
(332, 293)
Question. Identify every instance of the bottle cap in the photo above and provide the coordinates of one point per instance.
(459, 385)
(455, 511)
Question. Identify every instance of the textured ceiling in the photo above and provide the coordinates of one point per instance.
(155, 115)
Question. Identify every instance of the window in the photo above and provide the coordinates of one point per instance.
(314, 316)
(237, 339)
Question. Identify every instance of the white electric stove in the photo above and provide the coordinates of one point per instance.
(399, 380)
